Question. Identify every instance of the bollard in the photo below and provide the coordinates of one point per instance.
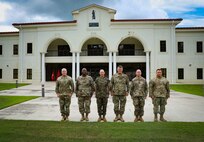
(16, 83)
(43, 90)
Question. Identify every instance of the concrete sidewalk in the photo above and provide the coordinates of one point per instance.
(181, 107)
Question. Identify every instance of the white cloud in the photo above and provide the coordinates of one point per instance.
(192, 23)
(6, 28)
(4, 7)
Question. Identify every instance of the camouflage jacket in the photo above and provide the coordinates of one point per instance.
(159, 87)
(101, 87)
(64, 85)
(84, 86)
(119, 84)
(138, 87)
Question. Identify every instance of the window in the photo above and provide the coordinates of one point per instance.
(15, 49)
(199, 73)
(29, 48)
(95, 49)
(29, 73)
(164, 72)
(1, 49)
(15, 73)
(199, 46)
(180, 47)
(180, 73)
(64, 50)
(0, 73)
(126, 49)
(163, 46)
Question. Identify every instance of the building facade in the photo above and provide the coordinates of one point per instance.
(95, 40)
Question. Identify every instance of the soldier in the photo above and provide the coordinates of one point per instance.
(138, 92)
(84, 91)
(159, 92)
(119, 91)
(64, 89)
(102, 93)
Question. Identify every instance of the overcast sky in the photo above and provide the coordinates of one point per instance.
(12, 11)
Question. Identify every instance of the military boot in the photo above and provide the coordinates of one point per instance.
(141, 119)
(136, 118)
(104, 119)
(63, 118)
(87, 118)
(67, 118)
(121, 118)
(155, 118)
(99, 119)
(162, 118)
(82, 117)
(116, 118)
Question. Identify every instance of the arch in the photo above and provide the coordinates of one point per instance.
(135, 37)
(50, 40)
(94, 36)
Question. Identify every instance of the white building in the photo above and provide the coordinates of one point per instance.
(95, 40)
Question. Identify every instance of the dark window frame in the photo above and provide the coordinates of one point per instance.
(29, 74)
(199, 73)
(64, 50)
(1, 73)
(163, 46)
(15, 73)
(164, 72)
(180, 47)
(199, 46)
(29, 48)
(1, 49)
(15, 49)
(180, 73)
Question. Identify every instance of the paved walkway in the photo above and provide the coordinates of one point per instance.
(181, 107)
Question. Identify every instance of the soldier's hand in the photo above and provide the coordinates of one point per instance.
(69, 94)
(126, 93)
(112, 94)
(58, 95)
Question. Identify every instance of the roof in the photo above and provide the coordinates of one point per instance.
(44, 23)
(189, 29)
(11, 33)
(144, 20)
(94, 5)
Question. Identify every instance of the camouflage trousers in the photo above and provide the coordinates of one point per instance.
(102, 105)
(84, 103)
(139, 103)
(64, 102)
(159, 105)
(119, 104)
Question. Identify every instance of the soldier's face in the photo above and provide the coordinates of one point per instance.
(120, 70)
(138, 73)
(84, 71)
(102, 73)
(64, 72)
(159, 73)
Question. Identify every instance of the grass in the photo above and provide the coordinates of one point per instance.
(7, 86)
(48, 131)
(189, 88)
(6, 101)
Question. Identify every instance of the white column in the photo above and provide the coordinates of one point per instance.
(173, 57)
(110, 65)
(73, 67)
(43, 67)
(78, 64)
(147, 66)
(114, 62)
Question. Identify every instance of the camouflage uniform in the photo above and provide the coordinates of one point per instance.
(102, 93)
(65, 88)
(160, 92)
(138, 92)
(119, 87)
(84, 92)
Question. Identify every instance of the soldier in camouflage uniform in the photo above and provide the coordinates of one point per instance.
(119, 90)
(84, 91)
(159, 92)
(138, 92)
(64, 89)
(102, 93)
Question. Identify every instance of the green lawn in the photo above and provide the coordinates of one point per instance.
(7, 86)
(189, 88)
(48, 131)
(6, 101)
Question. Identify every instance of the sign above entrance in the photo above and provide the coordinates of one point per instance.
(93, 18)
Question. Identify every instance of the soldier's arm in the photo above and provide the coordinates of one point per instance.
(77, 89)
(57, 88)
(146, 89)
(151, 87)
(131, 88)
(111, 84)
(72, 85)
(127, 83)
(167, 89)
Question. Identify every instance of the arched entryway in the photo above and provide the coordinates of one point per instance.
(57, 53)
